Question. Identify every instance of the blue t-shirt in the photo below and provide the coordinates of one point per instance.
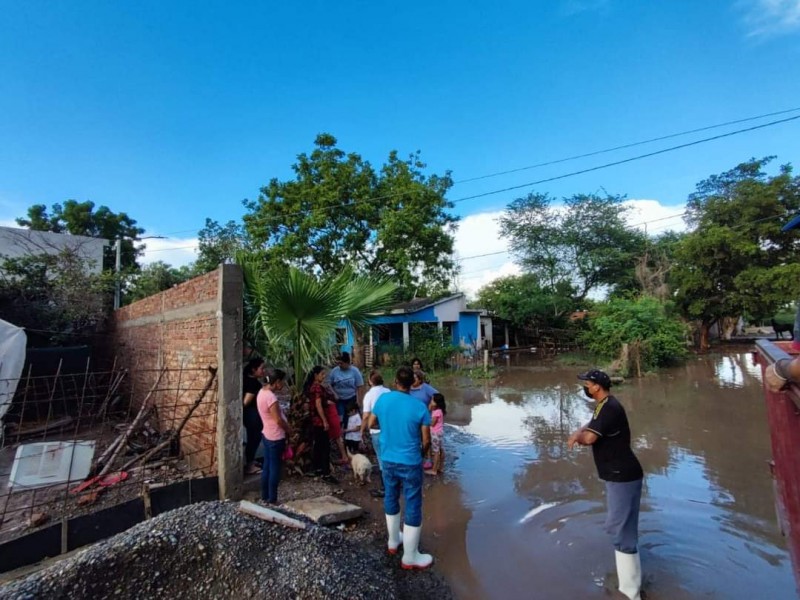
(401, 417)
(424, 393)
(345, 382)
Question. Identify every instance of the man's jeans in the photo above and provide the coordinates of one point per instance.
(271, 469)
(407, 479)
(376, 444)
(622, 520)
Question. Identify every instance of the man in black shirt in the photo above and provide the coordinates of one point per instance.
(609, 436)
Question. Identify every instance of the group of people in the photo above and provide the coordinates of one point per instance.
(406, 427)
(329, 416)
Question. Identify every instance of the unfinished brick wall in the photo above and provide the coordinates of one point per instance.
(180, 330)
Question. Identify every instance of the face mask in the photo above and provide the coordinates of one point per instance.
(587, 392)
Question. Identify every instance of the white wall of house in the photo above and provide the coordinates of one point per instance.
(18, 242)
(448, 311)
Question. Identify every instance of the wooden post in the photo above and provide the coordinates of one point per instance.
(485, 361)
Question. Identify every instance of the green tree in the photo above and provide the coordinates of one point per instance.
(218, 244)
(585, 243)
(292, 316)
(55, 296)
(154, 278)
(648, 326)
(339, 211)
(736, 260)
(81, 218)
(523, 301)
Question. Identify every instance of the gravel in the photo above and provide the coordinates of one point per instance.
(210, 550)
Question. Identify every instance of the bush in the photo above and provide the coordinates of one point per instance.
(646, 323)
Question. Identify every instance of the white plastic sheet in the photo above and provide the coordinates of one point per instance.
(13, 342)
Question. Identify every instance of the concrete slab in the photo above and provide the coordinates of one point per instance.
(325, 510)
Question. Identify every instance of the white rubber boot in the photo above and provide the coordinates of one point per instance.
(412, 558)
(629, 572)
(395, 535)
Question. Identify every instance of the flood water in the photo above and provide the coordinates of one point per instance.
(707, 526)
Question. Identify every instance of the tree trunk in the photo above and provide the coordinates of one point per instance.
(704, 333)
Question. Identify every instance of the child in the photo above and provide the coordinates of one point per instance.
(352, 435)
(438, 411)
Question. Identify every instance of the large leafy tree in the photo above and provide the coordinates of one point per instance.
(292, 315)
(584, 243)
(81, 218)
(522, 300)
(340, 211)
(217, 244)
(736, 260)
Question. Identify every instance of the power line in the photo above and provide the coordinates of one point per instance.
(625, 146)
(574, 173)
(626, 160)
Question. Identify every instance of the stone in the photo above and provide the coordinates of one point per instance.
(325, 510)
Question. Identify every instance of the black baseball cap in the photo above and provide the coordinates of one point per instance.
(597, 376)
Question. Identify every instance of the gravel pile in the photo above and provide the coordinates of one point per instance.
(210, 550)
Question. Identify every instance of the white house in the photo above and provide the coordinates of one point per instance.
(17, 242)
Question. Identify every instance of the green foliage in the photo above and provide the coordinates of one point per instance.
(341, 212)
(81, 218)
(54, 296)
(644, 321)
(218, 244)
(154, 278)
(293, 315)
(584, 245)
(523, 301)
(432, 346)
(737, 260)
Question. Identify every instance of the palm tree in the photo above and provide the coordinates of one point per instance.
(292, 312)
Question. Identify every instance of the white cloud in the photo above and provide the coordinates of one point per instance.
(764, 18)
(479, 234)
(173, 251)
(653, 217)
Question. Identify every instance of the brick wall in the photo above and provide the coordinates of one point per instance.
(178, 330)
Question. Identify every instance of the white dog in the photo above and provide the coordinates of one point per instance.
(362, 468)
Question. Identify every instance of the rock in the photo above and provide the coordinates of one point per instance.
(325, 510)
(38, 519)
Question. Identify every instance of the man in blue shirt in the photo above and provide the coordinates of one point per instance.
(405, 437)
(345, 382)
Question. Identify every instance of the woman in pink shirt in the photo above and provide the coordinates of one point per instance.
(274, 434)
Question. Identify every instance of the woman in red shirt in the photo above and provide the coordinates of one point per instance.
(324, 421)
(273, 435)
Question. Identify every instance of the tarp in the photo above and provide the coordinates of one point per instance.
(12, 360)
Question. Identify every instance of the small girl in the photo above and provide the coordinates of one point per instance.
(352, 435)
(438, 410)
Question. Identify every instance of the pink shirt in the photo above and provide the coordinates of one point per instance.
(438, 416)
(272, 430)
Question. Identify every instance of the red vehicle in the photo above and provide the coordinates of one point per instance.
(783, 414)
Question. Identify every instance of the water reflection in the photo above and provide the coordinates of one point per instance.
(708, 520)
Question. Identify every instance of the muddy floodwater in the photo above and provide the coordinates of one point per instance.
(520, 516)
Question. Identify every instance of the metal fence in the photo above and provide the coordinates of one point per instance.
(75, 443)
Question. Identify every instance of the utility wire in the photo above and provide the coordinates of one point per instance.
(625, 146)
(572, 174)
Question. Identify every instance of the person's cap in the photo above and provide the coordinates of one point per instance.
(597, 376)
(794, 223)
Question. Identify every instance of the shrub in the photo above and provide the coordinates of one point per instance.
(645, 322)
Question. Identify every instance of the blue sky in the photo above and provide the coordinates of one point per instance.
(176, 111)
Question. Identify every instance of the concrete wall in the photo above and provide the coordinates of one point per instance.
(187, 329)
(18, 242)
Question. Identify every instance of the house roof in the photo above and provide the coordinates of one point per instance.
(418, 304)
